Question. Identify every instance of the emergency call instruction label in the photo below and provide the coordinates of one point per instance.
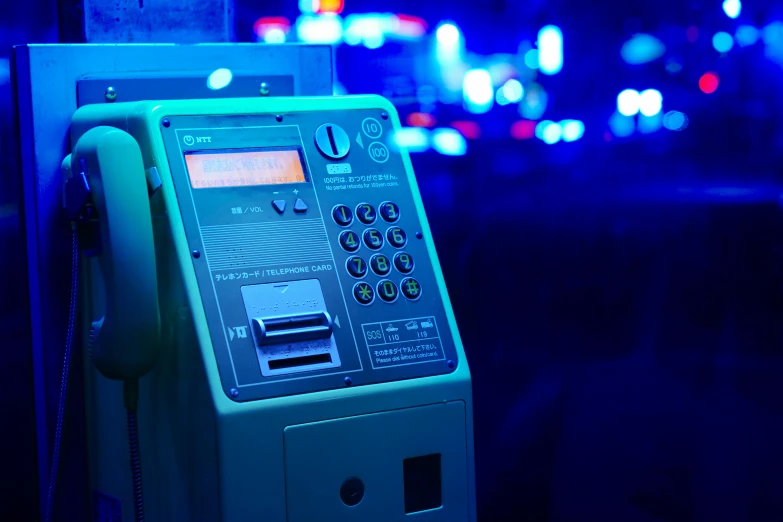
(401, 342)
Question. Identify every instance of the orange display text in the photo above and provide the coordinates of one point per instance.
(244, 168)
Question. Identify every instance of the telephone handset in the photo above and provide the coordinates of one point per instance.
(125, 341)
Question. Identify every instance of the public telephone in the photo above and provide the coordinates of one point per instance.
(264, 270)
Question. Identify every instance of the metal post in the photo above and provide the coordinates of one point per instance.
(147, 21)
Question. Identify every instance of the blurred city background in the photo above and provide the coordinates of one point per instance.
(604, 183)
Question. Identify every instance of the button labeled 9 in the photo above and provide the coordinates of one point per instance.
(403, 262)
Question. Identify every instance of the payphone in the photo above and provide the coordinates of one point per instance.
(264, 270)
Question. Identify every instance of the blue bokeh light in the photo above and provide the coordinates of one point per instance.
(572, 130)
(732, 8)
(550, 50)
(650, 102)
(477, 91)
(722, 42)
(747, 35)
(449, 142)
(642, 48)
(628, 102)
(621, 125)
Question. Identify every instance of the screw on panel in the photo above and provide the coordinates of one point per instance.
(165, 122)
(264, 90)
(450, 364)
(110, 94)
(196, 254)
(384, 116)
(234, 392)
(419, 235)
(279, 118)
(348, 381)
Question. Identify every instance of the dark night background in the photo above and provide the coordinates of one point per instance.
(619, 298)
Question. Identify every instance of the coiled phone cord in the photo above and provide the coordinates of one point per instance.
(131, 396)
(64, 380)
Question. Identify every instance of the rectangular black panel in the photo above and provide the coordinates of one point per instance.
(247, 240)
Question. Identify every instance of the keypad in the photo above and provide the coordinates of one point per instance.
(373, 239)
(403, 262)
(410, 288)
(390, 212)
(387, 291)
(380, 264)
(349, 240)
(342, 215)
(363, 293)
(356, 266)
(396, 237)
(366, 213)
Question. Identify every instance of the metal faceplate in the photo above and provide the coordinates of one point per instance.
(245, 240)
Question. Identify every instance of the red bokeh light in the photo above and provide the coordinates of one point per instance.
(420, 119)
(523, 129)
(708, 83)
(469, 129)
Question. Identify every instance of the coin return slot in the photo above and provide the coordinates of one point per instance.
(293, 362)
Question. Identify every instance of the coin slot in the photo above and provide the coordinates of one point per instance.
(332, 143)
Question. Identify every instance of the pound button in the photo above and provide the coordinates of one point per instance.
(410, 288)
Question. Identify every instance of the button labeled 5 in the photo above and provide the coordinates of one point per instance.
(373, 239)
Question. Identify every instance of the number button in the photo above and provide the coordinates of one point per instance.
(366, 213)
(363, 293)
(342, 215)
(390, 212)
(373, 239)
(403, 261)
(388, 291)
(410, 288)
(356, 267)
(380, 264)
(349, 240)
(396, 237)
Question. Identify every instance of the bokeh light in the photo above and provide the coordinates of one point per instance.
(675, 120)
(708, 83)
(628, 102)
(650, 102)
(732, 8)
(722, 42)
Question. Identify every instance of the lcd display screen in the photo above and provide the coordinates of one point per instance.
(245, 167)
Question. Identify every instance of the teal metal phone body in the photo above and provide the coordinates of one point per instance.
(310, 366)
